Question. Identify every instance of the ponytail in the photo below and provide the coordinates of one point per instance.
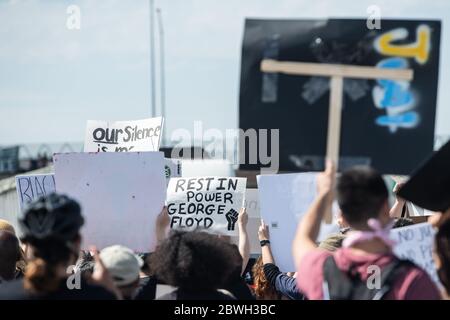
(40, 277)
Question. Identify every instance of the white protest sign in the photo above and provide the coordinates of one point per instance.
(123, 136)
(172, 168)
(120, 194)
(30, 187)
(284, 199)
(415, 243)
(211, 204)
(254, 219)
(252, 203)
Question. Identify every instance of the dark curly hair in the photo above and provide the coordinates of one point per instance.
(193, 261)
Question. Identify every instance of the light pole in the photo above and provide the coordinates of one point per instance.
(152, 58)
(162, 72)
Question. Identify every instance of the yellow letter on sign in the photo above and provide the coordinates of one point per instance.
(418, 49)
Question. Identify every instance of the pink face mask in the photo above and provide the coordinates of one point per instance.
(378, 232)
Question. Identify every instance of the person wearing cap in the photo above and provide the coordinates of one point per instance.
(50, 226)
(124, 267)
(21, 262)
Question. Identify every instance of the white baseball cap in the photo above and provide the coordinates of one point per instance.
(122, 264)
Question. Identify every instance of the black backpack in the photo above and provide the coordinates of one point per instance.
(340, 285)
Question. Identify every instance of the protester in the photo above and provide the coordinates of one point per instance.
(124, 267)
(262, 288)
(442, 254)
(282, 283)
(50, 227)
(197, 263)
(21, 263)
(9, 255)
(6, 226)
(363, 198)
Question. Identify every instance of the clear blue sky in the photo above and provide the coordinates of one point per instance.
(52, 79)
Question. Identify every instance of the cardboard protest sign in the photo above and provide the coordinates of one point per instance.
(172, 168)
(284, 199)
(207, 203)
(30, 187)
(120, 194)
(123, 136)
(415, 243)
(388, 124)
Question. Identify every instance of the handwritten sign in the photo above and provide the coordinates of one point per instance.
(121, 195)
(30, 187)
(123, 136)
(208, 203)
(415, 243)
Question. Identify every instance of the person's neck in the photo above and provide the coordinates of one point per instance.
(373, 246)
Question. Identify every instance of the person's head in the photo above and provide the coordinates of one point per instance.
(50, 226)
(9, 254)
(262, 288)
(442, 253)
(124, 267)
(193, 261)
(362, 194)
(6, 226)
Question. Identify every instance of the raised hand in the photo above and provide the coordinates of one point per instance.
(263, 231)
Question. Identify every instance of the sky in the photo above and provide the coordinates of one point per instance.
(52, 79)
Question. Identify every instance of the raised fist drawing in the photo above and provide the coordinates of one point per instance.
(232, 218)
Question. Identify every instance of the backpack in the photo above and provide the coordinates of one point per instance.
(341, 285)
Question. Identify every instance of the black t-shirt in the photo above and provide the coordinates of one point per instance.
(14, 290)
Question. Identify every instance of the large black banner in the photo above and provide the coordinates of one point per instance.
(388, 124)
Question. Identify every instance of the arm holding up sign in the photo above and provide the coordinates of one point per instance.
(308, 229)
(284, 284)
(244, 242)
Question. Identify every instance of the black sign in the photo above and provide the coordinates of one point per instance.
(388, 124)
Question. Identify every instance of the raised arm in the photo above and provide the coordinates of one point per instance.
(263, 235)
(244, 241)
(309, 227)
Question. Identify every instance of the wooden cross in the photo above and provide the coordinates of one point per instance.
(336, 73)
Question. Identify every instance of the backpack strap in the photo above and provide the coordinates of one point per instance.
(340, 285)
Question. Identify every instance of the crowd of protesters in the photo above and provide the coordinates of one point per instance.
(47, 261)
